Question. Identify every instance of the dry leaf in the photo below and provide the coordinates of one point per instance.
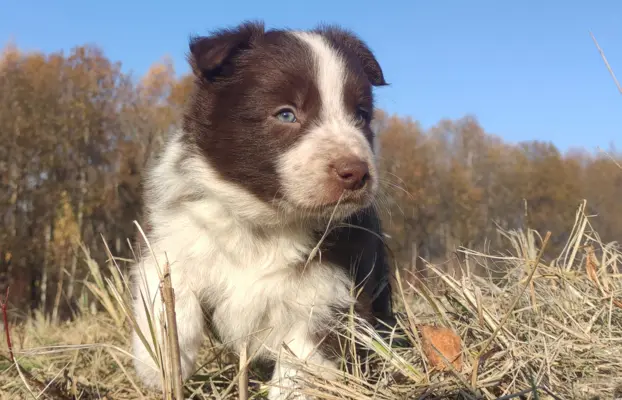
(441, 340)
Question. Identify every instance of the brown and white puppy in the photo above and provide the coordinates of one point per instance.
(276, 142)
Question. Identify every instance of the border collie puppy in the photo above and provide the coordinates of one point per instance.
(275, 155)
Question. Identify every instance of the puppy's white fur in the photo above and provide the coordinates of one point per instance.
(241, 256)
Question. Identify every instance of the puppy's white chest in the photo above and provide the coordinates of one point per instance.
(264, 302)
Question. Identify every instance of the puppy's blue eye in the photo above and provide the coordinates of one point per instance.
(362, 116)
(286, 116)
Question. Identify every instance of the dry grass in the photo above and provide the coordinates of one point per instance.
(547, 329)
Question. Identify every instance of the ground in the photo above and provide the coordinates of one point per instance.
(544, 329)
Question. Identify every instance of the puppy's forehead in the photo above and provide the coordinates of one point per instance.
(308, 70)
(299, 47)
(311, 53)
(330, 71)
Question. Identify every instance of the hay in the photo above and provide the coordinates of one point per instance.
(548, 331)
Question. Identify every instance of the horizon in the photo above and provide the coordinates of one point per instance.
(546, 82)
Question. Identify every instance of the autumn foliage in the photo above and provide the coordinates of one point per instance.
(76, 133)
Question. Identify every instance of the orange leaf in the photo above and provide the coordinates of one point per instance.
(441, 340)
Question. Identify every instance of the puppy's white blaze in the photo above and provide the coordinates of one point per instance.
(330, 72)
(303, 169)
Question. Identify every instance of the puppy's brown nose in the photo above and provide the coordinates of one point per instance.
(351, 172)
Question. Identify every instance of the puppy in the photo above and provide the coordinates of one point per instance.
(275, 155)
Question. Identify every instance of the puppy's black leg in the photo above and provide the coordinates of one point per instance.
(382, 299)
(359, 246)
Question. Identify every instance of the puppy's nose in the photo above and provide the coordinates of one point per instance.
(351, 172)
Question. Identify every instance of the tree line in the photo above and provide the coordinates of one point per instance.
(76, 133)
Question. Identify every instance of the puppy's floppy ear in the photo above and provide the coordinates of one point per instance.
(346, 40)
(210, 56)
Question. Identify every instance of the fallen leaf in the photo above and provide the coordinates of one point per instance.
(441, 340)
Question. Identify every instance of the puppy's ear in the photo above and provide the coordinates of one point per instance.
(210, 56)
(347, 41)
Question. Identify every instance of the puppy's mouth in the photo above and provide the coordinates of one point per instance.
(334, 197)
(338, 207)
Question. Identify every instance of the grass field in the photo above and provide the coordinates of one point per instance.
(538, 329)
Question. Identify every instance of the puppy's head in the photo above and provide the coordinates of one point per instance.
(286, 115)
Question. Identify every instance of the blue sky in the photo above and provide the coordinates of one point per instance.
(527, 69)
